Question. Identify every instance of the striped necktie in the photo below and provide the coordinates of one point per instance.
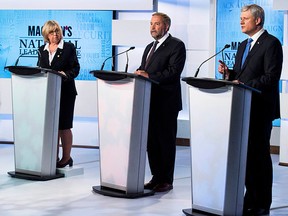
(151, 53)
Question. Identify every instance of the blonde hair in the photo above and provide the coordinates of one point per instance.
(49, 27)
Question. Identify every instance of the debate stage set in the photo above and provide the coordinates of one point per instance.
(111, 116)
(113, 181)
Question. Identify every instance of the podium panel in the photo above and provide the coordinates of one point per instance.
(123, 112)
(35, 105)
(209, 146)
(219, 124)
(283, 155)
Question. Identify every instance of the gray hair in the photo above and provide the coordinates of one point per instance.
(256, 11)
(166, 19)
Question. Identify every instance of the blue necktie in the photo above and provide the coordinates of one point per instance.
(246, 51)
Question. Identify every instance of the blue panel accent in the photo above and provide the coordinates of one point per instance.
(228, 29)
(277, 123)
(89, 31)
(5, 117)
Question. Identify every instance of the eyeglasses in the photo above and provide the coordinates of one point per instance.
(56, 31)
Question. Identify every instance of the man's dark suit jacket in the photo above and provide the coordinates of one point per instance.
(64, 60)
(262, 71)
(165, 67)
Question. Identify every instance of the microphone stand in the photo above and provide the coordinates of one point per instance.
(131, 48)
(23, 54)
(126, 68)
(198, 69)
(224, 72)
(17, 60)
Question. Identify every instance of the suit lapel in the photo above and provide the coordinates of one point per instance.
(254, 49)
(158, 50)
(45, 60)
(145, 55)
(57, 56)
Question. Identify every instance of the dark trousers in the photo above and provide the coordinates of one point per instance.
(161, 147)
(259, 172)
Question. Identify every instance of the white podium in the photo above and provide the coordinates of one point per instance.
(35, 105)
(282, 5)
(123, 112)
(219, 124)
(283, 154)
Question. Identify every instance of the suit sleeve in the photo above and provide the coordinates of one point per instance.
(174, 64)
(272, 60)
(74, 66)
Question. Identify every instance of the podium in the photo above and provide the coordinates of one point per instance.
(123, 115)
(219, 124)
(283, 154)
(35, 105)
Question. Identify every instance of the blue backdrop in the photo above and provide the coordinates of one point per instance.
(228, 29)
(90, 31)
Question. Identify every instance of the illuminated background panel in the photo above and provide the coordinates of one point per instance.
(89, 31)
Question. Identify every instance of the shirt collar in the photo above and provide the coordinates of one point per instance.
(60, 45)
(161, 40)
(257, 35)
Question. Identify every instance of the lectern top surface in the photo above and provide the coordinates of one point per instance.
(210, 83)
(26, 70)
(114, 75)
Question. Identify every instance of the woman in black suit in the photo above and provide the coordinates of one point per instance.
(61, 56)
(261, 70)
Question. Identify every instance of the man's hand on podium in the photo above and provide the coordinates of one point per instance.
(142, 73)
(63, 73)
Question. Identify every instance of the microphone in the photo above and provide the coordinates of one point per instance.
(224, 72)
(127, 59)
(225, 47)
(131, 48)
(39, 62)
(30, 52)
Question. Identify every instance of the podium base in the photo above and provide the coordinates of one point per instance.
(120, 194)
(34, 177)
(70, 171)
(196, 212)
